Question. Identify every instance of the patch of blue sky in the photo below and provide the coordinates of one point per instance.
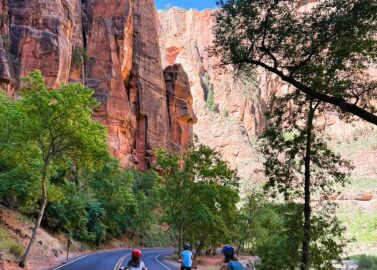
(186, 4)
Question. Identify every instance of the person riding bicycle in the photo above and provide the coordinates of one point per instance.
(186, 258)
(136, 263)
(231, 261)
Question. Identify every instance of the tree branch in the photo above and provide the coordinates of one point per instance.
(339, 102)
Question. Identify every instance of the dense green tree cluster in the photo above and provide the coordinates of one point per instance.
(199, 196)
(55, 167)
(326, 65)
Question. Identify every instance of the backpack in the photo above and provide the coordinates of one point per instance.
(135, 265)
(235, 265)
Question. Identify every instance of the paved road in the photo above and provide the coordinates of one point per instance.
(111, 260)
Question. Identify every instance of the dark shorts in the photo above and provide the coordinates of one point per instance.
(185, 268)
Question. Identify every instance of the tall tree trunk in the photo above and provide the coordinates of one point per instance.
(200, 247)
(180, 238)
(241, 242)
(307, 208)
(23, 259)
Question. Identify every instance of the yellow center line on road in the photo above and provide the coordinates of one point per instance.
(120, 262)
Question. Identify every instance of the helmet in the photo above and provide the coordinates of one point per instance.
(136, 253)
(186, 246)
(228, 250)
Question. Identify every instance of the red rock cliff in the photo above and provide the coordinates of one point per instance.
(233, 117)
(111, 46)
(236, 117)
(182, 117)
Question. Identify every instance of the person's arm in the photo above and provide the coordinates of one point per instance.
(143, 266)
(224, 267)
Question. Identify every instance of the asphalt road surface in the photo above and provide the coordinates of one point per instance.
(112, 260)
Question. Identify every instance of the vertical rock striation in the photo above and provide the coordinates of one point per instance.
(231, 111)
(147, 87)
(107, 28)
(236, 116)
(182, 117)
(111, 46)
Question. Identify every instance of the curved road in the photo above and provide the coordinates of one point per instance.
(112, 260)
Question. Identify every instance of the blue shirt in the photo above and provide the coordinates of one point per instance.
(186, 257)
(234, 265)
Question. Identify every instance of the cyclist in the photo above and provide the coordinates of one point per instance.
(186, 258)
(231, 261)
(136, 263)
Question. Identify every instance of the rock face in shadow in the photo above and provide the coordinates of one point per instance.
(111, 46)
(236, 115)
(147, 87)
(182, 117)
(107, 30)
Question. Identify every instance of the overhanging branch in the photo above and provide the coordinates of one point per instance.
(339, 102)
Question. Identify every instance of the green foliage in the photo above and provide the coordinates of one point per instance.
(48, 136)
(6, 40)
(284, 148)
(287, 146)
(109, 202)
(362, 140)
(4, 17)
(8, 244)
(361, 224)
(199, 195)
(313, 51)
(248, 83)
(209, 93)
(279, 244)
(366, 262)
(59, 122)
(79, 56)
(210, 103)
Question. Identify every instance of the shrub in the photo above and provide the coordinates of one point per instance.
(16, 249)
(8, 244)
(367, 262)
(79, 56)
(209, 93)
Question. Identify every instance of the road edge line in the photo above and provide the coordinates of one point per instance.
(78, 258)
(163, 265)
(75, 260)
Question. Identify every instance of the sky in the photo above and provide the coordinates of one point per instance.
(197, 4)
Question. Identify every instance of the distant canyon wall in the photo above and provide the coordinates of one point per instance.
(231, 112)
(111, 46)
(230, 116)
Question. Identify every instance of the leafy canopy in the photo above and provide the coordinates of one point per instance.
(324, 51)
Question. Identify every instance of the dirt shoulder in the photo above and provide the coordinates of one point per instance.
(16, 231)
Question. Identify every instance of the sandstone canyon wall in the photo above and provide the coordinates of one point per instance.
(111, 46)
(237, 116)
(233, 119)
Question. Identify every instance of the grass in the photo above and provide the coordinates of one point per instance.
(363, 139)
(366, 262)
(361, 227)
(8, 244)
(361, 184)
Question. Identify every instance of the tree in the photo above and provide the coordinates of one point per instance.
(324, 52)
(7, 116)
(296, 157)
(198, 194)
(58, 124)
(112, 188)
(13, 189)
(248, 217)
